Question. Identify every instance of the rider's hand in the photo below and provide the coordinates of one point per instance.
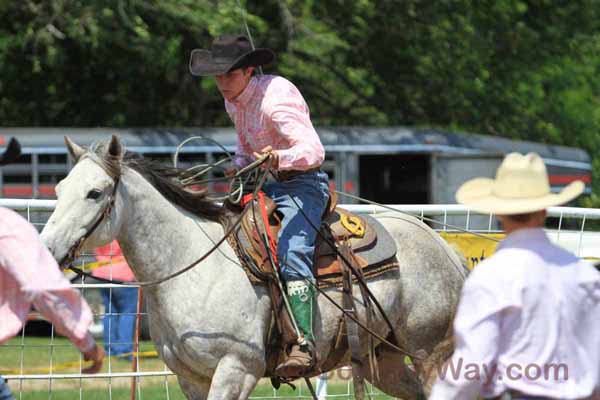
(97, 356)
(269, 151)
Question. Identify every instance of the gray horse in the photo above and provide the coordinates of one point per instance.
(210, 324)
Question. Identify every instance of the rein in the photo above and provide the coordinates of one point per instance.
(72, 253)
(174, 274)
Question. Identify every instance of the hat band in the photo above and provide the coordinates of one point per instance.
(224, 60)
(519, 196)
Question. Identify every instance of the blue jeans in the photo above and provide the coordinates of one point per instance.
(5, 393)
(296, 239)
(119, 328)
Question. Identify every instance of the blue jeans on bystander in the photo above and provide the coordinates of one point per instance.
(119, 320)
(5, 393)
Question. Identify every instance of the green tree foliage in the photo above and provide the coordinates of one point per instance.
(514, 68)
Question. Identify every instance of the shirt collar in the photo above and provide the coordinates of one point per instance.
(244, 98)
(522, 237)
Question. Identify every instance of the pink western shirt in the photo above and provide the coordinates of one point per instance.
(272, 112)
(118, 268)
(529, 321)
(29, 275)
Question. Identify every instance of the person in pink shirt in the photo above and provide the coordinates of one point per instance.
(120, 303)
(271, 117)
(30, 276)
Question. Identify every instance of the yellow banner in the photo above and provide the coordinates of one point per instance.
(474, 248)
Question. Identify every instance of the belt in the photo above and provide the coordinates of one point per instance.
(287, 175)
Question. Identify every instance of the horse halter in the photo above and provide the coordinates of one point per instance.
(74, 250)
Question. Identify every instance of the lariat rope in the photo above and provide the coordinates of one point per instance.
(205, 168)
(106, 214)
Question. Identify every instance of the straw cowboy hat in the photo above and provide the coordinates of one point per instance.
(226, 53)
(521, 186)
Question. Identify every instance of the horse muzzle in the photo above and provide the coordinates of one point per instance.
(71, 255)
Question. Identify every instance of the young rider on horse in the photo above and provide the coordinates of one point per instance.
(271, 117)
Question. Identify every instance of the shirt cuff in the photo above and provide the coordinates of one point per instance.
(286, 161)
(87, 343)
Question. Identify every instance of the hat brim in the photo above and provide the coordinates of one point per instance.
(478, 195)
(202, 62)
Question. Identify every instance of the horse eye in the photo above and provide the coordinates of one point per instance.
(94, 194)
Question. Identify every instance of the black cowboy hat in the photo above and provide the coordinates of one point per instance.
(11, 153)
(226, 53)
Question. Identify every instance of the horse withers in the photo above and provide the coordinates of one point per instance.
(210, 324)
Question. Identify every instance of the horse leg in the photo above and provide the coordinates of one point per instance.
(233, 379)
(428, 369)
(395, 377)
(194, 390)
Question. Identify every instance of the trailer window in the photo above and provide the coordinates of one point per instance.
(395, 178)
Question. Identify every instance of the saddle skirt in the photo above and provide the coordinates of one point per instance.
(366, 243)
(373, 247)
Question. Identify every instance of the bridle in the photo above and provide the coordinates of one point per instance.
(73, 252)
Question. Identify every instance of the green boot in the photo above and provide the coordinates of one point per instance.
(301, 357)
(301, 295)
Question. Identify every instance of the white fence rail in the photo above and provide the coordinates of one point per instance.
(415, 209)
(574, 228)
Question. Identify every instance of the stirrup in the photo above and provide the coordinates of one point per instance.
(300, 361)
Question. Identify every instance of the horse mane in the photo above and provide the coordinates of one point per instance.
(164, 179)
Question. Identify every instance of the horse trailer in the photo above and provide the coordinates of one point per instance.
(393, 165)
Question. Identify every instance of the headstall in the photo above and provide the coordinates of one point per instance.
(73, 252)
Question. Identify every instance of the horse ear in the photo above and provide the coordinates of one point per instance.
(115, 148)
(75, 150)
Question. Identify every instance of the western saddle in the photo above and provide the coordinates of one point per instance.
(362, 239)
(372, 246)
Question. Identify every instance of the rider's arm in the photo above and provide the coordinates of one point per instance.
(71, 317)
(34, 277)
(289, 115)
(69, 313)
(243, 152)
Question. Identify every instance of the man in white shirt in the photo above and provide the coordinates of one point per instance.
(528, 322)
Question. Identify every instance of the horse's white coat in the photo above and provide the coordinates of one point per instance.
(210, 324)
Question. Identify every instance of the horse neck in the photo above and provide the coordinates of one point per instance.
(156, 237)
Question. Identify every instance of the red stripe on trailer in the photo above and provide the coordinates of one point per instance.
(566, 179)
(16, 190)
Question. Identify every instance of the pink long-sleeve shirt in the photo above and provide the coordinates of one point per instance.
(30, 276)
(270, 111)
(118, 268)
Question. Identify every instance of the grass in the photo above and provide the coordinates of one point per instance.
(37, 354)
